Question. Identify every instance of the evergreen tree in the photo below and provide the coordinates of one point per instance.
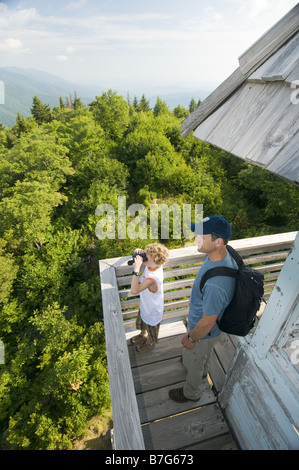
(77, 103)
(41, 112)
(20, 125)
(160, 107)
(135, 104)
(61, 103)
(192, 105)
(180, 112)
(144, 104)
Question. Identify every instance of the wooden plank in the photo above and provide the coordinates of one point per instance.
(126, 421)
(225, 351)
(186, 428)
(177, 305)
(216, 373)
(280, 66)
(181, 271)
(285, 61)
(189, 255)
(156, 404)
(258, 414)
(261, 139)
(157, 375)
(241, 111)
(264, 244)
(293, 76)
(219, 363)
(223, 442)
(166, 348)
(258, 121)
(277, 128)
(185, 293)
(168, 273)
(171, 305)
(175, 315)
(217, 118)
(280, 304)
(256, 76)
(257, 124)
(178, 294)
(125, 293)
(249, 61)
(290, 154)
(212, 102)
(265, 258)
(268, 44)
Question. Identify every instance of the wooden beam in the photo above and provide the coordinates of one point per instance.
(126, 421)
(213, 101)
(269, 43)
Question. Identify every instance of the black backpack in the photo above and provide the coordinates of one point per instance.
(239, 316)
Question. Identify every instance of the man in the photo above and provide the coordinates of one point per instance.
(212, 235)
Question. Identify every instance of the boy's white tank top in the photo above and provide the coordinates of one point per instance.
(152, 304)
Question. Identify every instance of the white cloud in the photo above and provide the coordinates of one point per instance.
(15, 18)
(62, 58)
(76, 4)
(109, 41)
(13, 45)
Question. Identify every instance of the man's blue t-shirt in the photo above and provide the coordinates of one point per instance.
(216, 295)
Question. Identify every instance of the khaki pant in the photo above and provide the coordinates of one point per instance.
(196, 362)
(152, 331)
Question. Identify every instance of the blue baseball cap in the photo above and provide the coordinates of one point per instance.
(214, 224)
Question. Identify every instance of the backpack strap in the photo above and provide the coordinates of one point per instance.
(235, 256)
(219, 271)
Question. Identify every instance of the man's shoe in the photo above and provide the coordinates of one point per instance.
(177, 395)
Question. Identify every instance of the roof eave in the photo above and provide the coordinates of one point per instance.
(249, 61)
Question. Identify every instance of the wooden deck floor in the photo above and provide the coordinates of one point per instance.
(167, 425)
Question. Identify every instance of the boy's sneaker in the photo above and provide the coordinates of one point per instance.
(145, 346)
(137, 339)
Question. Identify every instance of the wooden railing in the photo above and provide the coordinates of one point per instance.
(266, 253)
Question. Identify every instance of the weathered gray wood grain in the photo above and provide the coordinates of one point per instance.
(126, 421)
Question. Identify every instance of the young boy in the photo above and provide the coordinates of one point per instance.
(150, 289)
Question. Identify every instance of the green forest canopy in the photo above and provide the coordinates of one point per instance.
(56, 167)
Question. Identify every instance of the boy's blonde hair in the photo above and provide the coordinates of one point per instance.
(158, 252)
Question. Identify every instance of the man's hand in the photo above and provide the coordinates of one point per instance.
(201, 329)
(186, 343)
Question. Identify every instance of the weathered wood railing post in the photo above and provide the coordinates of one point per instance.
(126, 421)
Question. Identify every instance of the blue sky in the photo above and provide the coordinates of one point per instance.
(172, 44)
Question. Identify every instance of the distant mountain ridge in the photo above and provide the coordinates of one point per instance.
(21, 85)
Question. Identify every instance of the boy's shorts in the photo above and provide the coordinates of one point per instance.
(153, 331)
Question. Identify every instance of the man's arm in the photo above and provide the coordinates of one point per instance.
(201, 329)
